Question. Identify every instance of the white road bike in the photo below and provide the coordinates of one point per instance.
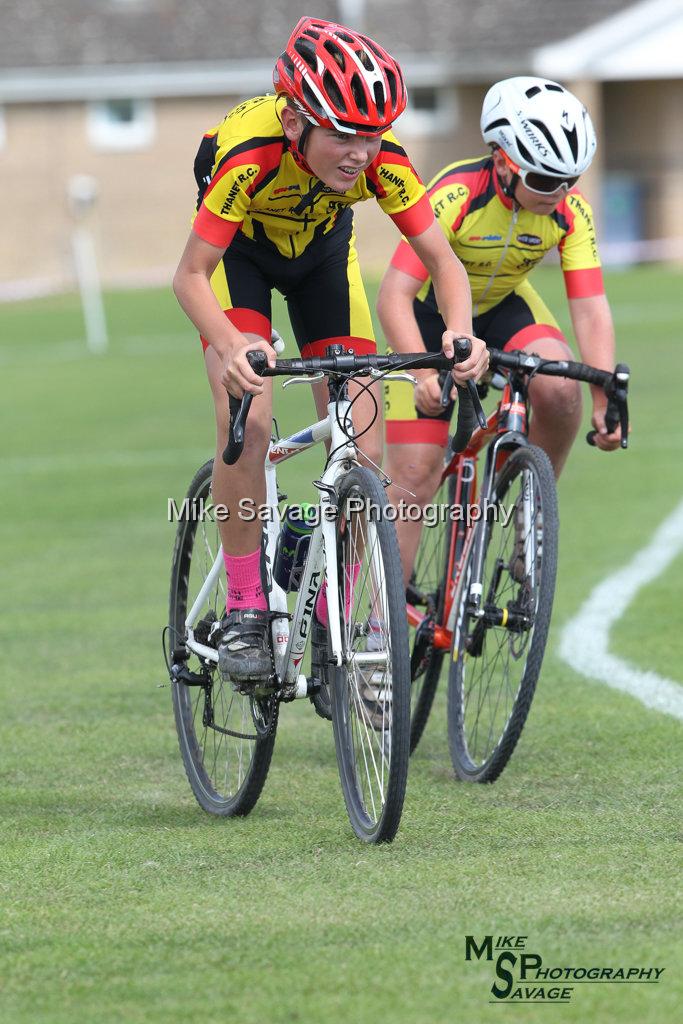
(227, 736)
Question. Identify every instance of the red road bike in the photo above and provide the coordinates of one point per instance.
(482, 590)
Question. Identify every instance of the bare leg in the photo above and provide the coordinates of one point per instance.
(246, 479)
(416, 468)
(555, 406)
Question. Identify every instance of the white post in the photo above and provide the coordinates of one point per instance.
(82, 193)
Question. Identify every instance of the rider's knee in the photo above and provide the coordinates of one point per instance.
(418, 471)
(556, 398)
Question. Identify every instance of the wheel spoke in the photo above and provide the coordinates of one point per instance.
(226, 772)
(488, 683)
(364, 695)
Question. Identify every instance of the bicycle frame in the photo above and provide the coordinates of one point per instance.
(290, 640)
(505, 430)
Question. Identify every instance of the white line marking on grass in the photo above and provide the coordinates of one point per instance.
(585, 639)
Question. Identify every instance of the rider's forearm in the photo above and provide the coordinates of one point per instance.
(199, 303)
(453, 294)
(396, 315)
(594, 331)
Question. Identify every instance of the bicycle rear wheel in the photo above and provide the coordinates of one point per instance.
(370, 691)
(226, 738)
(497, 656)
(426, 592)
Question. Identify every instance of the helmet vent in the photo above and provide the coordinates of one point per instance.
(524, 152)
(333, 91)
(334, 50)
(364, 58)
(573, 141)
(391, 77)
(345, 36)
(533, 91)
(548, 137)
(552, 87)
(311, 99)
(306, 50)
(380, 98)
(502, 121)
(358, 94)
(371, 46)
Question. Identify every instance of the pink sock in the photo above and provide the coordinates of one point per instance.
(321, 603)
(245, 589)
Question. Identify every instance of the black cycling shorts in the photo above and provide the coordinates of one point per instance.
(519, 319)
(323, 289)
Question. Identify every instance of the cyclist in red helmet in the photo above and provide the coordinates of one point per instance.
(277, 179)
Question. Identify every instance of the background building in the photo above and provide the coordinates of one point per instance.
(120, 91)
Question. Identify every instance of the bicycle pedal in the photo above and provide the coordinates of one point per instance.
(255, 687)
(313, 685)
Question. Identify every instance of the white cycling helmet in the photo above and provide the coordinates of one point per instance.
(540, 126)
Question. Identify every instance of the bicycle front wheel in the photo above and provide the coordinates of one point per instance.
(370, 691)
(226, 738)
(498, 648)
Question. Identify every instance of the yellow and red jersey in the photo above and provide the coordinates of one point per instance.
(500, 246)
(250, 180)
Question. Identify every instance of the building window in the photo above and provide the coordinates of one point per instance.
(431, 110)
(121, 124)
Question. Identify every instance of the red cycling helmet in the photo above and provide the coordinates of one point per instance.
(340, 79)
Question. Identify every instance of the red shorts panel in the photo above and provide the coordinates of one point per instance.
(248, 321)
(426, 431)
(361, 346)
(532, 332)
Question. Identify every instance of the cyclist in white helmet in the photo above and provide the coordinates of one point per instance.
(501, 214)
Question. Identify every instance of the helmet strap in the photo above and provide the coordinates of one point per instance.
(509, 189)
(303, 138)
(297, 148)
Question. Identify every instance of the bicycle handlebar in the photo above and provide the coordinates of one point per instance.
(615, 385)
(341, 363)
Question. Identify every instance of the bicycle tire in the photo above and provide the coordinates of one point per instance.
(429, 582)
(481, 750)
(226, 774)
(371, 706)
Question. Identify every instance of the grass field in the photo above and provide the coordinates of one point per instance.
(121, 901)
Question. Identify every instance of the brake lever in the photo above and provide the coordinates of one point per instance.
(617, 406)
(393, 375)
(239, 410)
(462, 350)
(303, 380)
(447, 383)
(476, 404)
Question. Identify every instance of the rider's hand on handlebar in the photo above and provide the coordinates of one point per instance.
(476, 364)
(237, 375)
(602, 439)
(427, 394)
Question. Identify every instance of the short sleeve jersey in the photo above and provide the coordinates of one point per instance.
(249, 180)
(499, 247)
